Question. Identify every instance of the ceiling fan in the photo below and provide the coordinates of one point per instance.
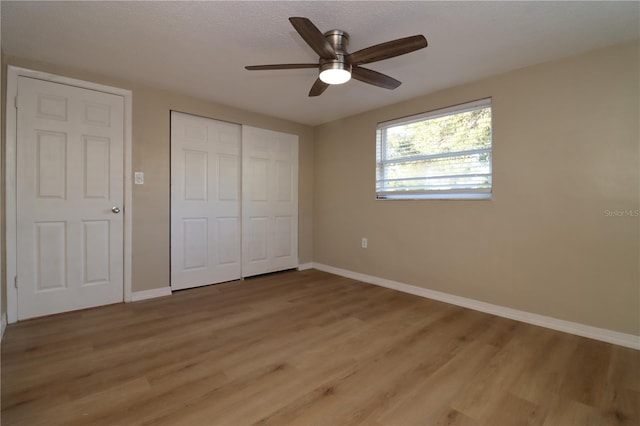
(336, 65)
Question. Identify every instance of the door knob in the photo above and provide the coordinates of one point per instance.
(115, 209)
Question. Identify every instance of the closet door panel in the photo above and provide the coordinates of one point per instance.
(205, 201)
(269, 201)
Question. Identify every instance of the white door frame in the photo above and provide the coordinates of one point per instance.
(13, 73)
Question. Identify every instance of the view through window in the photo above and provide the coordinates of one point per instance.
(439, 154)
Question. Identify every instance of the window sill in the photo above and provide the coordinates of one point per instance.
(414, 197)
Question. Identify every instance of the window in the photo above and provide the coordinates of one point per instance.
(438, 154)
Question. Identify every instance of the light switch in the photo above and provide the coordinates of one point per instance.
(138, 178)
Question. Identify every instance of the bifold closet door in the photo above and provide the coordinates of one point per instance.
(269, 201)
(205, 201)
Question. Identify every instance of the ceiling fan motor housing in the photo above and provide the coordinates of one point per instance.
(339, 40)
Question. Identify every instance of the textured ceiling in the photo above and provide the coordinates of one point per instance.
(200, 48)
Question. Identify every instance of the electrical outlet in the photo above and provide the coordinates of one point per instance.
(364, 243)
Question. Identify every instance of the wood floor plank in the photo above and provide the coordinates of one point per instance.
(452, 417)
(305, 348)
(568, 412)
(541, 382)
(440, 388)
(586, 373)
(481, 397)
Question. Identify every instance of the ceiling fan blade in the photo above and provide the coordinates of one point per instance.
(314, 38)
(318, 87)
(387, 50)
(374, 77)
(279, 67)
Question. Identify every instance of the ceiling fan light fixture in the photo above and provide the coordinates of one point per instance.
(335, 76)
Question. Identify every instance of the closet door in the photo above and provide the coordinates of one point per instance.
(205, 201)
(269, 201)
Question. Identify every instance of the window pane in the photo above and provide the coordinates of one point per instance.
(439, 152)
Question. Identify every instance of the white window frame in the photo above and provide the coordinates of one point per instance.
(467, 193)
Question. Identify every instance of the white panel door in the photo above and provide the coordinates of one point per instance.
(205, 201)
(269, 201)
(69, 188)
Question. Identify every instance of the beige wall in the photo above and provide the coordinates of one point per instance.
(151, 107)
(565, 150)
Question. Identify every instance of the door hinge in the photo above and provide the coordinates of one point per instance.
(15, 281)
(15, 101)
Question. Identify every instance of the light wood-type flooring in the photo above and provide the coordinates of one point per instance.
(302, 348)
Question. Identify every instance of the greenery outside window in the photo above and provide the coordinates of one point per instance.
(439, 154)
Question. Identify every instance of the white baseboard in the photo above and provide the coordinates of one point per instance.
(3, 326)
(609, 336)
(305, 266)
(150, 294)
